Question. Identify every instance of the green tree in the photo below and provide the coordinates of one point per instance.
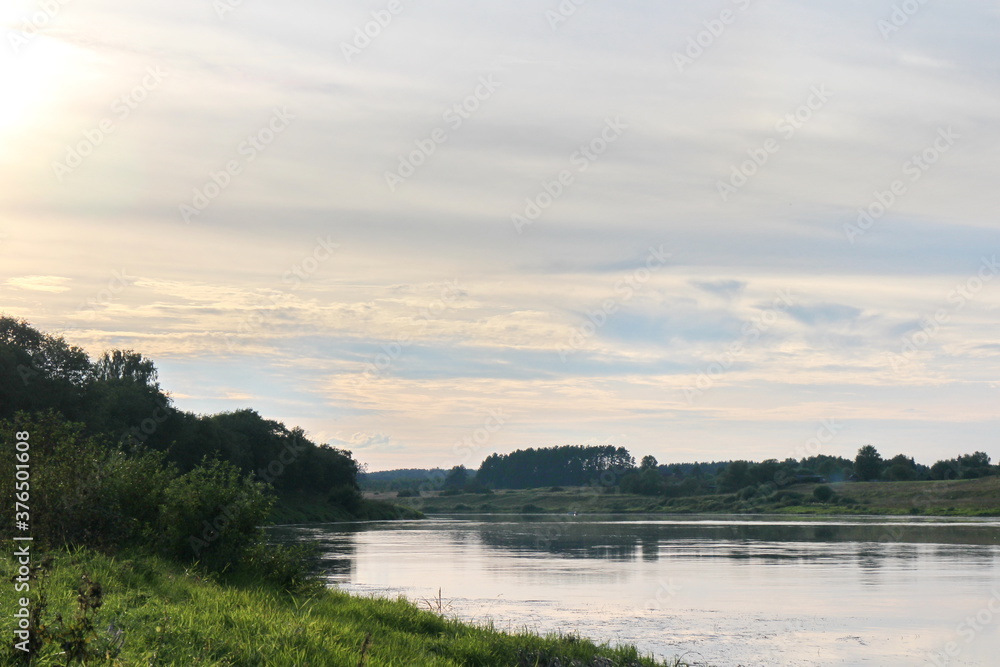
(648, 463)
(456, 478)
(901, 468)
(868, 463)
(735, 476)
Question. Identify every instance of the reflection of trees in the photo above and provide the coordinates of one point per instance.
(337, 546)
(573, 539)
(869, 544)
(579, 537)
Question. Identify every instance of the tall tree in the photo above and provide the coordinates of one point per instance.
(868, 463)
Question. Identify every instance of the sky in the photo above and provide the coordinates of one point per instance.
(427, 232)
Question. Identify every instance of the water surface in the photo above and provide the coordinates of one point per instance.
(725, 590)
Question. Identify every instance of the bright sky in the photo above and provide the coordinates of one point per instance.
(495, 225)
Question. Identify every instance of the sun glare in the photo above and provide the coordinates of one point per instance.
(34, 79)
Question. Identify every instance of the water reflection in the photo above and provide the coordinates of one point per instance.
(737, 590)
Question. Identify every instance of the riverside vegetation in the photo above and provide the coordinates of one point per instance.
(975, 497)
(605, 479)
(148, 545)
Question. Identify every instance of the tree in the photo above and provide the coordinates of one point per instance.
(648, 463)
(734, 477)
(456, 477)
(868, 463)
(125, 365)
(901, 468)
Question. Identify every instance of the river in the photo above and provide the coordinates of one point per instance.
(715, 590)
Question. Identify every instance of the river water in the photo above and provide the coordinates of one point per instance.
(719, 590)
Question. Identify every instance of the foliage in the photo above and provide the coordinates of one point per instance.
(823, 493)
(122, 418)
(570, 465)
(82, 491)
(868, 464)
(213, 515)
(456, 478)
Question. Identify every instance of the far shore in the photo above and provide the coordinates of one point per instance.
(971, 498)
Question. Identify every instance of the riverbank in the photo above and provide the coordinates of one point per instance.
(971, 497)
(154, 611)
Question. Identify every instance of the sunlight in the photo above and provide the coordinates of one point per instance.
(34, 79)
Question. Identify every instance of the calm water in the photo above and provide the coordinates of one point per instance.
(719, 590)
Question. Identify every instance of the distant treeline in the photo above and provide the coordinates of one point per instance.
(569, 465)
(615, 469)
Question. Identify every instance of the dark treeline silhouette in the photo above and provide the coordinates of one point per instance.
(614, 468)
(118, 400)
(569, 465)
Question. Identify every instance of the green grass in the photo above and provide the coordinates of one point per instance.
(171, 615)
(973, 497)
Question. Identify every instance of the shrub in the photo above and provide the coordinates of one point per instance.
(83, 491)
(408, 493)
(345, 496)
(823, 493)
(212, 514)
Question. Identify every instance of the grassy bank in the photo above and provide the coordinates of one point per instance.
(972, 497)
(156, 612)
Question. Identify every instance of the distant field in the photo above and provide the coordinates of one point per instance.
(975, 497)
(952, 497)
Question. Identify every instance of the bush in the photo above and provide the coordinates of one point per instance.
(823, 493)
(345, 496)
(212, 515)
(83, 491)
(408, 493)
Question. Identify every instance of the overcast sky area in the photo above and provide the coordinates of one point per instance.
(489, 226)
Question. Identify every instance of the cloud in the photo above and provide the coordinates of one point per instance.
(824, 314)
(366, 442)
(40, 283)
(723, 288)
